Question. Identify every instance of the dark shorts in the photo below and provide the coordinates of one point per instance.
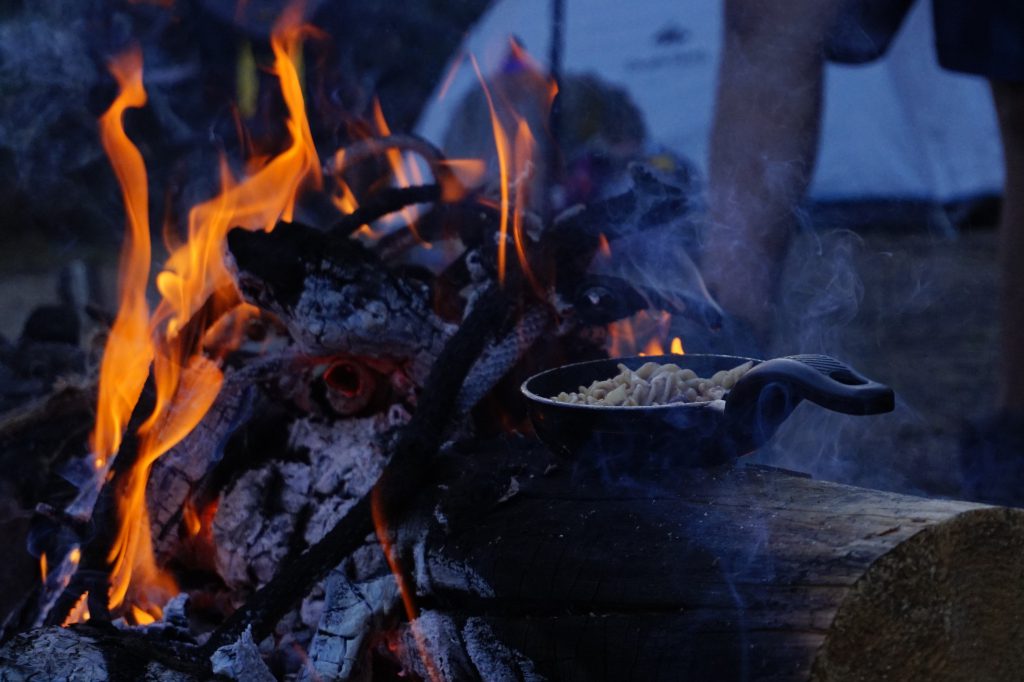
(982, 37)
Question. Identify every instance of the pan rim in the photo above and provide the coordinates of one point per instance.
(707, 404)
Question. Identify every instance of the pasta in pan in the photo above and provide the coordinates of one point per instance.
(655, 384)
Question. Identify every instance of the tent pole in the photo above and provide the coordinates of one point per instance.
(555, 121)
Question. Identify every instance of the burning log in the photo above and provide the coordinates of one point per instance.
(397, 486)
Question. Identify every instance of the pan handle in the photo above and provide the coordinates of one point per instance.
(768, 393)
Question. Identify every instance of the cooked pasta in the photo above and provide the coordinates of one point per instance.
(655, 384)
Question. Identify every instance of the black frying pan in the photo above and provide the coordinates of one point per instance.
(693, 434)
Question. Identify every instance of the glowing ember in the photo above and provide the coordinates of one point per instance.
(190, 519)
(196, 290)
(677, 347)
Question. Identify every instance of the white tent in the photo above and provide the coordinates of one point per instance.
(900, 127)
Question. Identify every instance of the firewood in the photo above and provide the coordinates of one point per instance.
(741, 572)
(397, 486)
(735, 573)
(337, 297)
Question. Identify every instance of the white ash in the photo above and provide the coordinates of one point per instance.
(176, 611)
(56, 653)
(435, 571)
(241, 661)
(469, 651)
(495, 661)
(336, 316)
(52, 654)
(257, 521)
(438, 635)
(312, 607)
(251, 542)
(366, 563)
(352, 612)
(347, 457)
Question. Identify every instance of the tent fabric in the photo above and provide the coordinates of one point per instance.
(898, 128)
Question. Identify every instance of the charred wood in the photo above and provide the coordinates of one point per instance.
(396, 487)
(352, 613)
(93, 653)
(335, 297)
(383, 202)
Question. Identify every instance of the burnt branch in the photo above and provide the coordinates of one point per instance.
(417, 443)
(383, 202)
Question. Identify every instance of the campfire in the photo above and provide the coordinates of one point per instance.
(311, 458)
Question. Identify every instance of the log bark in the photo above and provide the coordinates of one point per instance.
(740, 573)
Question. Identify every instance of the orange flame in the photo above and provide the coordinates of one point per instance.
(501, 147)
(647, 330)
(523, 153)
(404, 589)
(621, 339)
(196, 288)
(653, 347)
(141, 617)
(43, 570)
(468, 172)
(401, 169)
(515, 159)
(450, 77)
(125, 363)
(79, 613)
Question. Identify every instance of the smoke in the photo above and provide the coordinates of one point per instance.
(823, 293)
(877, 301)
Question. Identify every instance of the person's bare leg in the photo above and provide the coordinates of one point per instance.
(763, 145)
(1009, 100)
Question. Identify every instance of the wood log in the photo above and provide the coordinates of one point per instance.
(735, 573)
(528, 568)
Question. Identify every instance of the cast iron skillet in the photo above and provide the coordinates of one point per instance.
(697, 434)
